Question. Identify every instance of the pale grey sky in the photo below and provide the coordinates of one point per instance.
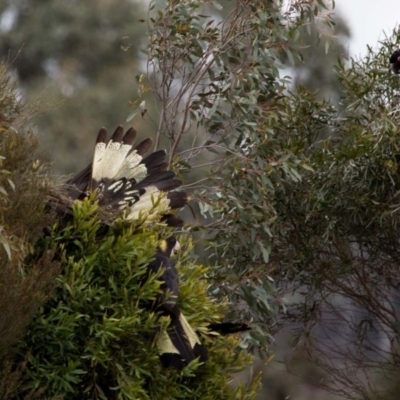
(367, 20)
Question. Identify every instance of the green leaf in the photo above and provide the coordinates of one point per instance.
(216, 5)
(132, 115)
(6, 246)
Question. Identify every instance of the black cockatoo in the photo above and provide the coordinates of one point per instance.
(179, 344)
(395, 61)
(126, 179)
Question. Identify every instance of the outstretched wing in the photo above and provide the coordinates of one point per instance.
(126, 179)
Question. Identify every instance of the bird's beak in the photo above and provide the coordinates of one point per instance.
(176, 249)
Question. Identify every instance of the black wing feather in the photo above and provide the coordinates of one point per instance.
(119, 191)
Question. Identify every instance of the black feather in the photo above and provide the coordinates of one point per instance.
(172, 360)
(154, 160)
(165, 176)
(172, 220)
(395, 61)
(102, 136)
(177, 199)
(118, 134)
(144, 146)
(166, 185)
(130, 136)
(154, 178)
(228, 328)
(76, 186)
(200, 351)
(114, 195)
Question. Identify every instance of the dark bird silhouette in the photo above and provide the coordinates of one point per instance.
(395, 61)
(179, 344)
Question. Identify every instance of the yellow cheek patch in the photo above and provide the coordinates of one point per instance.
(163, 245)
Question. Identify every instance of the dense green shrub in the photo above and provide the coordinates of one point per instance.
(73, 316)
(95, 338)
(23, 288)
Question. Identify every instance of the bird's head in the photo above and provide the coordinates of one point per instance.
(169, 247)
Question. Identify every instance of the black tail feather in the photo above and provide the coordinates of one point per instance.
(172, 360)
(102, 136)
(154, 160)
(166, 175)
(200, 351)
(144, 146)
(118, 134)
(77, 185)
(177, 199)
(228, 328)
(130, 136)
(124, 177)
(154, 178)
(172, 220)
(180, 345)
(167, 184)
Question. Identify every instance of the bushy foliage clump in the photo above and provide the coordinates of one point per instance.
(95, 338)
(74, 296)
(23, 287)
